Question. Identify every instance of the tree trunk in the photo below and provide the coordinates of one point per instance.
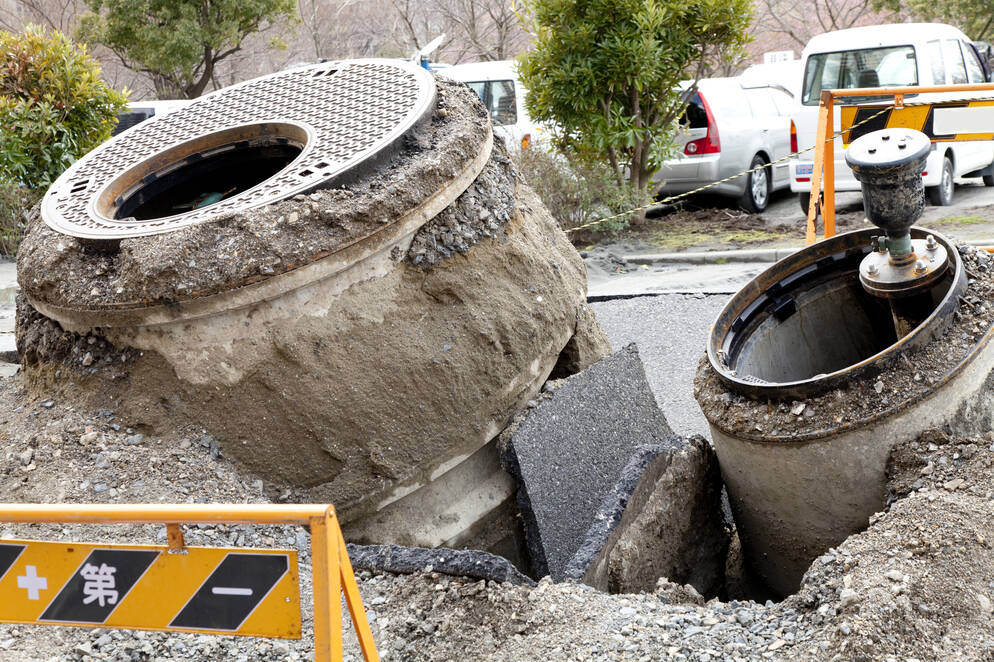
(196, 89)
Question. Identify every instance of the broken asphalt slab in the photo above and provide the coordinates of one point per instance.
(568, 452)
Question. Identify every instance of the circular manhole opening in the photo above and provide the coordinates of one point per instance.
(203, 171)
(806, 324)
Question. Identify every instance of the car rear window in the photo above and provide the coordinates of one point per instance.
(695, 117)
(893, 66)
(498, 97)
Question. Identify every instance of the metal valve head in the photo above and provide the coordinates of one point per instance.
(888, 163)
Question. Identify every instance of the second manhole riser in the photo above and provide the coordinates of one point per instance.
(793, 501)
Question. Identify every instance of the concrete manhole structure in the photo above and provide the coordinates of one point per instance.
(335, 272)
(825, 361)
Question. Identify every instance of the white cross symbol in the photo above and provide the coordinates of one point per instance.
(32, 582)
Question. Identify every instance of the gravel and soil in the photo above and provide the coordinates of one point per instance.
(915, 586)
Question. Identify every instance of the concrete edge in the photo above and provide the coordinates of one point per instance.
(737, 256)
(470, 563)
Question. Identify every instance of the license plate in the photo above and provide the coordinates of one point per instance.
(804, 169)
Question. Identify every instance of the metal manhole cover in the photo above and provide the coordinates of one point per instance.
(242, 147)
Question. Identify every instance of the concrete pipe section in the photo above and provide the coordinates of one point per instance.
(334, 271)
(821, 364)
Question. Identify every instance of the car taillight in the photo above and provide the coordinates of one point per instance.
(793, 138)
(711, 142)
(526, 141)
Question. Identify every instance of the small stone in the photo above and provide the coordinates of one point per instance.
(25, 456)
(879, 387)
(776, 645)
(627, 612)
(744, 617)
(985, 603)
(185, 444)
(134, 439)
(798, 409)
(88, 438)
(48, 404)
(848, 597)
(954, 484)
(894, 575)
(87, 359)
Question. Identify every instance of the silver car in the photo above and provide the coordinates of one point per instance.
(730, 128)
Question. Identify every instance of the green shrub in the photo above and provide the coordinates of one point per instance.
(577, 192)
(15, 201)
(53, 106)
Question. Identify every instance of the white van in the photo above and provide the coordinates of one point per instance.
(890, 56)
(504, 96)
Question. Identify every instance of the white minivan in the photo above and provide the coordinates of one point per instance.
(504, 96)
(897, 55)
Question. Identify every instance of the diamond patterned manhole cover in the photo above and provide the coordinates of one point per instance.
(242, 147)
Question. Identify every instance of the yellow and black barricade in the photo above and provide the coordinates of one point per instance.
(941, 121)
(209, 590)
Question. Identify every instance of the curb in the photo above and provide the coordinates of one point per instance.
(735, 256)
(712, 257)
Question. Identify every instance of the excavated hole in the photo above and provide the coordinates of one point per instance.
(203, 171)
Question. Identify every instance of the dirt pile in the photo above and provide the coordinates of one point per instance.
(914, 585)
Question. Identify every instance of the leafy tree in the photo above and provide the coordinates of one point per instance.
(179, 42)
(974, 17)
(605, 73)
(53, 106)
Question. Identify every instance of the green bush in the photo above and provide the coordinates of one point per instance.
(15, 201)
(53, 106)
(577, 192)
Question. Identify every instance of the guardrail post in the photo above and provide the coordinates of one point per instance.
(828, 199)
(327, 589)
(174, 536)
(354, 601)
(823, 170)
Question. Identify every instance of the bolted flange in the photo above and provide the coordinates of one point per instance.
(881, 277)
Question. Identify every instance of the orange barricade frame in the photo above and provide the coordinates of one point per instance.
(332, 570)
(824, 158)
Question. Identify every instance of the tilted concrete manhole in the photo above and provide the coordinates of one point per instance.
(335, 272)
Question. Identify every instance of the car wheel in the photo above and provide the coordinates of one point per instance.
(757, 193)
(988, 180)
(805, 200)
(942, 195)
